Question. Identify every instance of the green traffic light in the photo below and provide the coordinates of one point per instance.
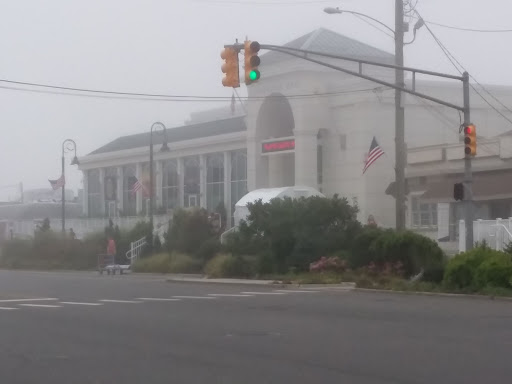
(254, 75)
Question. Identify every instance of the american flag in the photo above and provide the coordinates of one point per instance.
(59, 183)
(137, 186)
(374, 153)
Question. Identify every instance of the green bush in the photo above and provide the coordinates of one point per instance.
(414, 251)
(165, 263)
(363, 249)
(461, 269)
(189, 230)
(495, 271)
(295, 232)
(209, 249)
(227, 265)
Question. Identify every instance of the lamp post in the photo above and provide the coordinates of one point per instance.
(165, 148)
(68, 145)
(400, 162)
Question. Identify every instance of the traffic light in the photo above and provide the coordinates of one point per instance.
(458, 191)
(252, 61)
(230, 68)
(470, 140)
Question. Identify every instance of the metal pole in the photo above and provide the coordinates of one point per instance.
(63, 197)
(399, 117)
(468, 174)
(151, 176)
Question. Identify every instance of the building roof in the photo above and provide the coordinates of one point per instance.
(267, 194)
(326, 41)
(486, 186)
(186, 132)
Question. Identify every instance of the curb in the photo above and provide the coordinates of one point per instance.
(435, 294)
(260, 283)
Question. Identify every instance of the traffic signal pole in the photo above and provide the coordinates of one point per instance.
(399, 117)
(468, 173)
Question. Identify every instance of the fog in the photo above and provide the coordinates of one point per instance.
(172, 47)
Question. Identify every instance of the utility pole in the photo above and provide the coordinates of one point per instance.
(468, 173)
(399, 117)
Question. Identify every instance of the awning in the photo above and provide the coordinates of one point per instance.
(486, 186)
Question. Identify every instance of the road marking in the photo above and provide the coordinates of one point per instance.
(22, 300)
(194, 297)
(41, 305)
(76, 303)
(290, 291)
(263, 293)
(120, 301)
(156, 299)
(228, 295)
(7, 308)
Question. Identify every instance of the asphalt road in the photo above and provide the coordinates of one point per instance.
(63, 328)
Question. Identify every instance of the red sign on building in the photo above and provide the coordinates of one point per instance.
(278, 146)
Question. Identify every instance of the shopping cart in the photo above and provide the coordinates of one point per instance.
(108, 263)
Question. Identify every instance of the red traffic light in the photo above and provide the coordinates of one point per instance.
(468, 130)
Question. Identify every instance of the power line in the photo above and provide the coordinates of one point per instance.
(374, 26)
(263, 2)
(469, 29)
(94, 93)
(456, 63)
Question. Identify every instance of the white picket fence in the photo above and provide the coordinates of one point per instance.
(83, 227)
(496, 233)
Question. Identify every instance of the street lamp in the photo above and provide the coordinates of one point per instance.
(68, 145)
(164, 148)
(398, 34)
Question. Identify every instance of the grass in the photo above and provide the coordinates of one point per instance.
(165, 263)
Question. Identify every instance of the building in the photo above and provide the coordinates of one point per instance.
(304, 125)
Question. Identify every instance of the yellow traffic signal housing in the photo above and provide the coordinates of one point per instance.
(252, 61)
(470, 140)
(230, 68)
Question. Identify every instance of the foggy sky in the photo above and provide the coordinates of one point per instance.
(172, 47)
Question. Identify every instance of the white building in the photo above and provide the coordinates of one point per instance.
(305, 125)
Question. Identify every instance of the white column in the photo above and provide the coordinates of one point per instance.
(181, 182)
(138, 201)
(102, 192)
(202, 180)
(306, 159)
(158, 184)
(119, 192)
(257, 165)
(85, 202)
(227, 187)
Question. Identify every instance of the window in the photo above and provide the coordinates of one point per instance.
(192, 180)
(214, 181)
(110, 193)
(238, 178)
(170, 184)
(94, 193)
(129, 198)
(423, 214)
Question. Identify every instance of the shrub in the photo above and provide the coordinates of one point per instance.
(209, 249)
(165, 263)
(460, 270)
(227, 265)
(495, 271)
(189, 230)
(363, 249)
(296, 232)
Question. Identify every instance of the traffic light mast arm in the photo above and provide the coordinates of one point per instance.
(369, 78)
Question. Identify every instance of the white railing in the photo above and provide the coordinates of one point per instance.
(135, 250)
(496, 233)
(224, 235)
(85, 226)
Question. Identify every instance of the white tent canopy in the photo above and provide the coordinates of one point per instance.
(267, 194)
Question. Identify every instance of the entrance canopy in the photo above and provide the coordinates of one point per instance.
(267, 194)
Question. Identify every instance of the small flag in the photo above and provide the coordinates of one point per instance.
(374, 153)
(59, 183)
(137, 186)
(233, 104)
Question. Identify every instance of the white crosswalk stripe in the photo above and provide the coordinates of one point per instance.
(77, 303)
(263, 293)
(120, 301)
(194, 297)
(291, 291)
(156, 299)
(7, 308)
(228, 295)
(41, 305)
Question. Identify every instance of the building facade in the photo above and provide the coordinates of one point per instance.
(303, 124)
